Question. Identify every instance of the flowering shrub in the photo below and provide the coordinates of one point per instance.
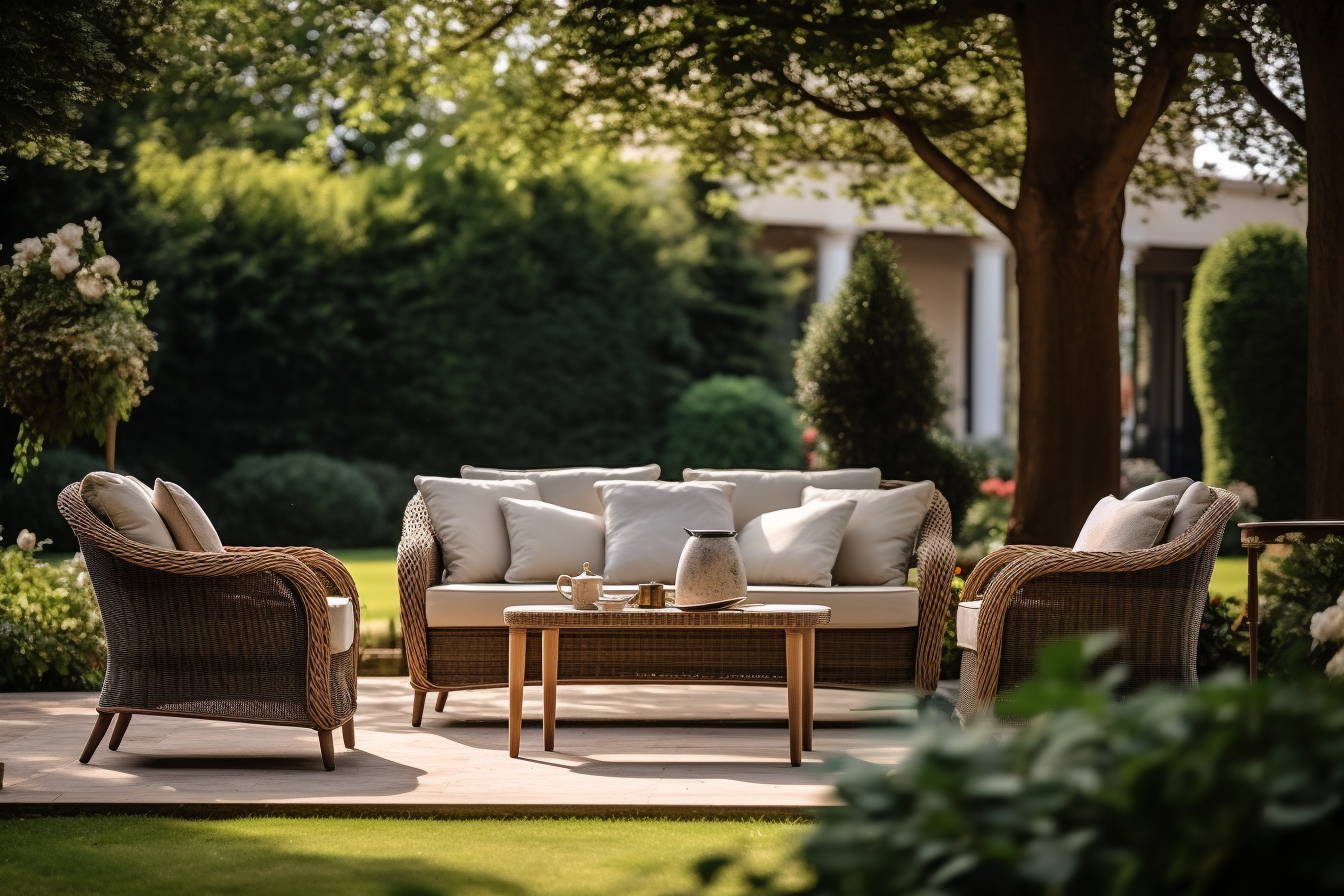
(73, 345)
(1327, 627)
(986, 526)
(1301, 586)
(51, 636)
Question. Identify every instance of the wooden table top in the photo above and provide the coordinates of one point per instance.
(758, 616)
(1289, 531)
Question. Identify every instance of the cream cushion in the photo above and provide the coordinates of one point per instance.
(1161, 489)
(469, 524)
(126, 504)
(341, 618)
(570, 487)
(881, 535)
(761, 491)
(478, 606)
(968, 623)
(795, 546)
(547, 541)
(186, 521)
(1115, 525)
(1193, 502)
(646, 523)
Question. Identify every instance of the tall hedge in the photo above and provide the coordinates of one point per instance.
(1246, 340)
(870, 379)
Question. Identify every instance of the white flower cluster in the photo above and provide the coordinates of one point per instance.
(65, 245)
(1328, 626)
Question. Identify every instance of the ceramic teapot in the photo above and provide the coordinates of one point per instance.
(710, 568)
(585, 590)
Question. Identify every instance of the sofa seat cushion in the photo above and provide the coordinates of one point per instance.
(475, 606)
(968, 623)
(341, 617)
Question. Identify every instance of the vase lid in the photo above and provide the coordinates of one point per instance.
(710, 533)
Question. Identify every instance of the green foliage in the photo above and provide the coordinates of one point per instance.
(1246, 337)
(1224, 637)
(51, 636)
(73, 349)
(733, 422)
(870, 380)
(300, 498)
(32, 503)
(1303, 583)
(1230, 789)
(57, 59)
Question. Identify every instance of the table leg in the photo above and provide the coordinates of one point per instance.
(793, 660)
(550, 665)
(809, 677)
(1253, 603)
(517, 673)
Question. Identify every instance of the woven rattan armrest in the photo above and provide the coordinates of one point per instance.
(418, 567)
(936, 558)
(1012, 574)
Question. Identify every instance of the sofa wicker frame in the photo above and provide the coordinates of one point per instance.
(242, 636)
(451, 659)
(1032, 594)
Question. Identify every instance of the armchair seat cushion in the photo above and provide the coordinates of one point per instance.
(341, 618)
(968, 624)
(879, 606)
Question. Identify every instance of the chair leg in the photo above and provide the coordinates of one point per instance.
(348, 733)
(119, 730)
(418, 709)
(99, 729)
(328, 750)
(441, 701)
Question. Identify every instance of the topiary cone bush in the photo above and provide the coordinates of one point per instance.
(870, 381)
(733, 422)
(1246, 337)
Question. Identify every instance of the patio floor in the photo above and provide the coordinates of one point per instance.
(646, 746)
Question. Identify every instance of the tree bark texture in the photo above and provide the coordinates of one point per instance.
(1318, 28)
(110, 443)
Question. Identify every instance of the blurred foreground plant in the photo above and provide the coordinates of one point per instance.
(1231, 789)
(51, 635)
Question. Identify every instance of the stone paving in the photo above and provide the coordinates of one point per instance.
(631, 746)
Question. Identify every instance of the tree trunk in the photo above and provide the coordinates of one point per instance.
(1066, 234)
(110, 443)
(1319, 30)
(1068, 451)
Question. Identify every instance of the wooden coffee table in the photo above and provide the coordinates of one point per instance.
(798, 622)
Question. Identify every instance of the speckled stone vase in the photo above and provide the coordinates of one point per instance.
(710, 568)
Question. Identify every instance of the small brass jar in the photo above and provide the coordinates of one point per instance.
(651, 596)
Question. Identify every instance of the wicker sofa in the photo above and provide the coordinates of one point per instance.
(455, 638)
(1023, 596)
(245, 635)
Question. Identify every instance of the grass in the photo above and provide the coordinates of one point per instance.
(583, 857)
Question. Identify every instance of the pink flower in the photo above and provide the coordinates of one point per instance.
(29, 249)
(64, 260)
(998, 488)
(810, 436)
(71, 235)
(107, 266)
(90, 286)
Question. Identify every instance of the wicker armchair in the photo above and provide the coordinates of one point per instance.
(1030, 595)
(242, 636)
(449, 659)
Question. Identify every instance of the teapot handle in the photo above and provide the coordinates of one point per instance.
(569, 597)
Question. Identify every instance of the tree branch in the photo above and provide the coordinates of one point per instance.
(984, 202)
(1162, 78)
(490, 28)
(1280, 111)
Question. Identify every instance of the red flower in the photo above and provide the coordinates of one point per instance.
(998, 488)
(810, 436)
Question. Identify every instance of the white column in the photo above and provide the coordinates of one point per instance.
(1129, 309)
(835, 251)
(988, 266)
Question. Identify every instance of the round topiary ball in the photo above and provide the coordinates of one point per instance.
(733, 422)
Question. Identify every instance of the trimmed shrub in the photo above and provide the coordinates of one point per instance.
(870, 381)
(1246, 337)
(300, 498)
(1303, 583)
(729, 421)
(32, 503)
(51, 636)
(395, 487)
(1230, 789)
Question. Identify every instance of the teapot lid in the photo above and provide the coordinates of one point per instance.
(588, 573)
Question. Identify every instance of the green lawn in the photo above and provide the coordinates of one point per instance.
(588, 857)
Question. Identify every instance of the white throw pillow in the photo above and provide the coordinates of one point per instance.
(570, 487)
(127, 505)
(1193, 502)
(1115, 525)
(881, 534)
(761, 491)
(646, 523)
(547, 541)
(469, 525)
(795, 546)
(1161, 489)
